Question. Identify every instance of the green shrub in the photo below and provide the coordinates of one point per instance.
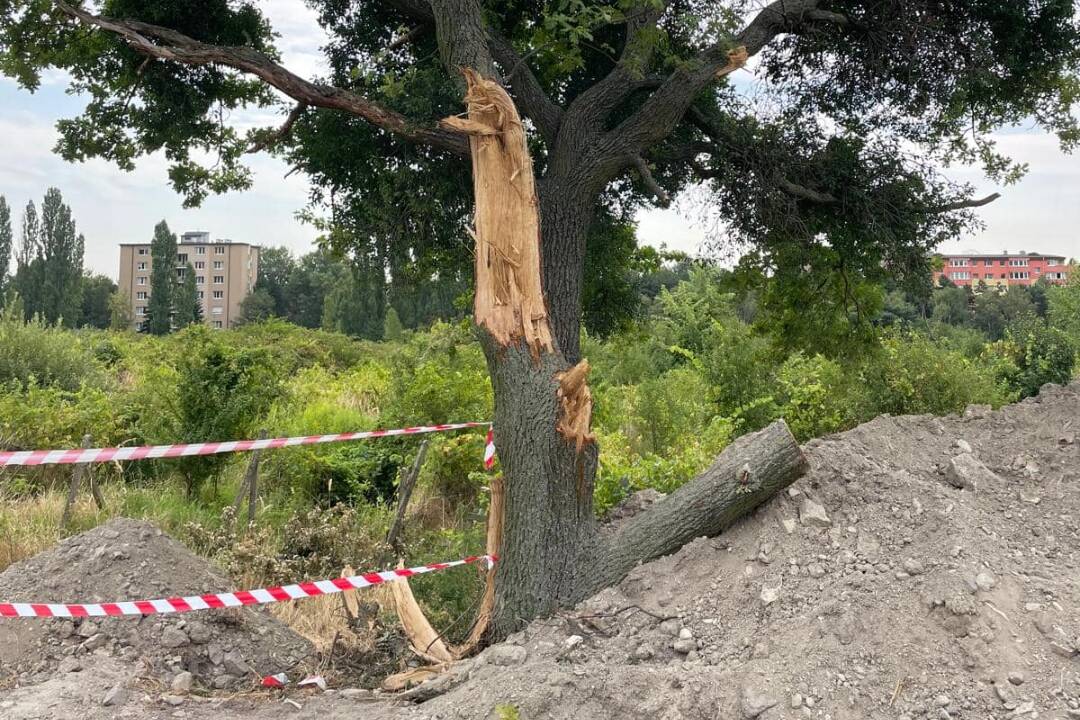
(34, 353)
(813, 396)
(224, 394)
(1038, 354)
(911, 374)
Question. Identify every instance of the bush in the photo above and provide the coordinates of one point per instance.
(34, 353)
(1038, 354)
(814, 396)
(911, 374)
(224, 394)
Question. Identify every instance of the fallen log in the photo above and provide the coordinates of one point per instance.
(749, 472)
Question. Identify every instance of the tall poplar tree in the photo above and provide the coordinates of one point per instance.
(5, 243)
(162, 280)
(186, 306)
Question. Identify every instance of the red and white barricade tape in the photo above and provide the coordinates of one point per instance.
(150, 452)
(214, 601)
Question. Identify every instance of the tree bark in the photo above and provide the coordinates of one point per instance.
(553, 553)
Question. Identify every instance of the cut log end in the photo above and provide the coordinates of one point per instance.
(736, 59)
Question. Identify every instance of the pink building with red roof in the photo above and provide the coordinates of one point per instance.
(1003, 269)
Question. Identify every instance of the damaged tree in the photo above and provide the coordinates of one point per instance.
(633, 115)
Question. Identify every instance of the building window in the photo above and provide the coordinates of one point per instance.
(140, 310)
(219, 279)
(959, 276)
(1018, 275)
(199, 279)
(219, 264)
(200, 264)
(988, 263)
(958, 262)
(200, 251)
(219, 250)
(219, 294)
(217, 324)
(141, 266)
(180, 273)
(217, 311)
(141, 295)
(200, 294)
(181, 258)
(1018, 262)
(141, 280)
(141, 251)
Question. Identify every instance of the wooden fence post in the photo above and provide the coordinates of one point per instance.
(73, 486)
(249, 486)
(393, 538)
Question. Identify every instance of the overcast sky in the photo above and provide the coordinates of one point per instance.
(1041, 213)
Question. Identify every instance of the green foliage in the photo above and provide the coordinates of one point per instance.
(814, 396)
(224, 394)
(393, 331)
(256, 307)
(6, 239)
(34, 353)
(97, 291)
(187, 309)
(1040, 354)
(912, 375)
(120, 313)
(49, 271)
(507, 712)
(162, 281)
(1064, 308)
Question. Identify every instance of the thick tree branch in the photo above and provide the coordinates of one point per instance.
(665, 108)
(663, 199)
(282, 132)
(166, 44)
(530, 97)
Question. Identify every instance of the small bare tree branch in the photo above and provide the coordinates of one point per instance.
(801, 191)
(166, 44)
(964, 204)
(663, 199)
(282, 132)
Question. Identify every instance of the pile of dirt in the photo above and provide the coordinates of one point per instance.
(925, 568)
(131, 560)
(873, 588)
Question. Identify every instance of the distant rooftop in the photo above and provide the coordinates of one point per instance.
(193, 237)
(1004, 254)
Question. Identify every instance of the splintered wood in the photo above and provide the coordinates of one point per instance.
(575, 405)
(736, 59)
(509, 297)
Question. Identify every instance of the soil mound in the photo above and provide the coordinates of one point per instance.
(925, 568)
(131, 560)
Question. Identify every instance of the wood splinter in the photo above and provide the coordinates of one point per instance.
(575, 405)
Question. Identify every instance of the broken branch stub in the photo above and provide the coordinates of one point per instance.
(509, 295)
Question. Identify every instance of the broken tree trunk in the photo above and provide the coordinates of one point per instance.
(249, 486)
(552, 552)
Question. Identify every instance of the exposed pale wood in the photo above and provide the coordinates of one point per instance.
(496, 518)
(423, 638)
(509, 298)
(736, 59)
(575, 405)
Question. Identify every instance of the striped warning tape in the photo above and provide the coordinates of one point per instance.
(149, 452)
(214, 601)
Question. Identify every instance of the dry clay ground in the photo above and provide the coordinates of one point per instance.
(926, 568)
